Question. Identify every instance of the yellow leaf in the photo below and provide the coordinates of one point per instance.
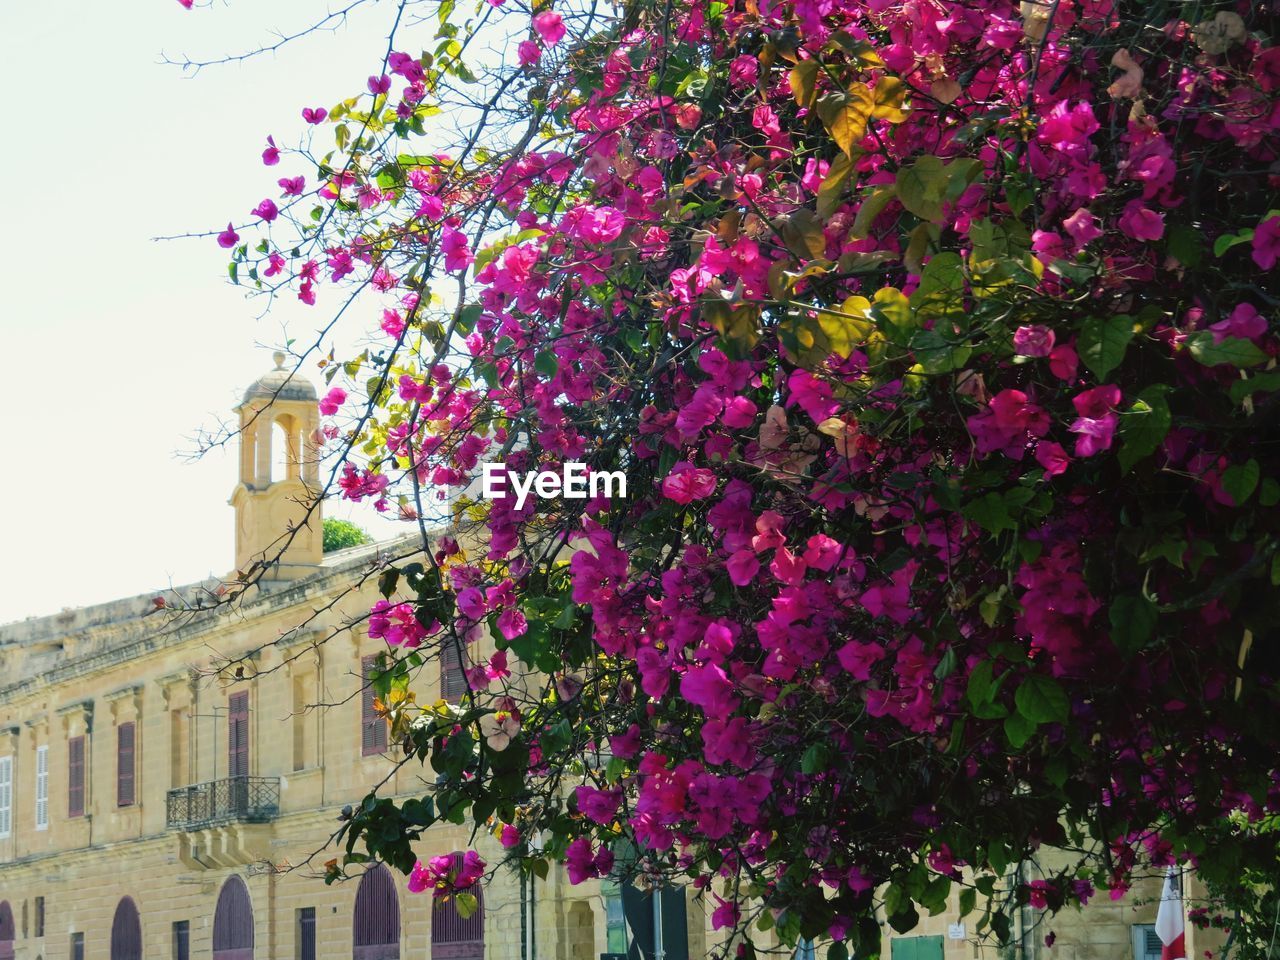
(833, 186)
(803, 78)
(847, 327)
(802, 232)
(889, 95)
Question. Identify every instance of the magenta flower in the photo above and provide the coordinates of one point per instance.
(267, 210)
(456, 250)
(271, 155)
(315, 115)
(1052, 457)
(742, 568)
(1033, 341)
(379, 85)
(550, 27)
(1082, 226)
(228, 238)
(512, 623)
(509, 837)
(1266, 242)
(332, 400)
(1141, 222)
(186, 4)
(528, 53)
(687, 483)
(1244, 323)
(1097, 423)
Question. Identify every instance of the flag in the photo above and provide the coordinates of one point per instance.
(1170, 925)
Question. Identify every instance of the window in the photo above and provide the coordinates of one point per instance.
(376, 924)
(77, 946)
(42, 788)
(124, 764)
(615, 921)
(1146, 942)
(373, 729)
(238, 735)
(6, 795)
(39, 917)
(75, 787)
(306, 939)
(453, 679)
(182, 940)
(915, 948)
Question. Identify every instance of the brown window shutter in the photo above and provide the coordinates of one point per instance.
(453, 678)
(238, 735)
(124, 764)
(373, 729)
(75, 777)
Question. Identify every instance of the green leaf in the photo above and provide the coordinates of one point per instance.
(546, 364)
(926, 185)
(990, 512)
(1144, 426)
(983, 684)
(467, 905)
(838, 951)
(870, 208)
(1240, 480)
(1240, 389)
(814, 759)
(968, 901)
(1041, 700)
(1103, 341)
(1133, 621)
(1232, 350)
(1018, 729)
(1229, 240)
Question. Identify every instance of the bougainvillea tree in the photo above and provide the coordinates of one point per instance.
(935, 340)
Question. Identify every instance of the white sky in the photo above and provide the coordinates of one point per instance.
(116, 349)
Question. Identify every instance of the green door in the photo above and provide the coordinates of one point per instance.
(915, 948)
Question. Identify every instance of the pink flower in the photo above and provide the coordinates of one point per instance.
(1266, 242)
(420, 879)
(1006, 424)
(738, 413)
(1033, 341)
(742, 567)
(315, 114)
(1083, 227)
(267, 210)
(1141, 222)
(379, 85)
(1064, 361)
(332, 400)
(687, 483)
(228, 238)
(1052, 457)
(528, 53)
(271, 155)
(512, 623)
(471, 603)
(1245, 323)
(726, 915)
(292, 186)
(708, 687)
(275, 264)
(186, 4)
(509, 837)
(1097, 423)
(457, 253)
(550, 27)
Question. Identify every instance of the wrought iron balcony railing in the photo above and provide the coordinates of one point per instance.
(244, 799)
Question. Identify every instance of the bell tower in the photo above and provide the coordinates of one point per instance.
(278, 516)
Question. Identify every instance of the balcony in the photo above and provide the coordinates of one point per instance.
(231, 800)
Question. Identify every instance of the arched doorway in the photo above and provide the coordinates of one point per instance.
(126, 931)
(6, 931)
(376, 928)
(455, 938)
(233, 922)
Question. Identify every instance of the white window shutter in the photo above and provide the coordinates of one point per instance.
(6, 795)
(42, 787)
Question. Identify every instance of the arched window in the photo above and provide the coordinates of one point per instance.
(126, 932)
(233, 922)
(6, 931)
(376, 929)
(452, 937)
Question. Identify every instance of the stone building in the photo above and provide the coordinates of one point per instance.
(151, 806)
(168, 784)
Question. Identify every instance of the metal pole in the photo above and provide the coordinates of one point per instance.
(658, 952)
